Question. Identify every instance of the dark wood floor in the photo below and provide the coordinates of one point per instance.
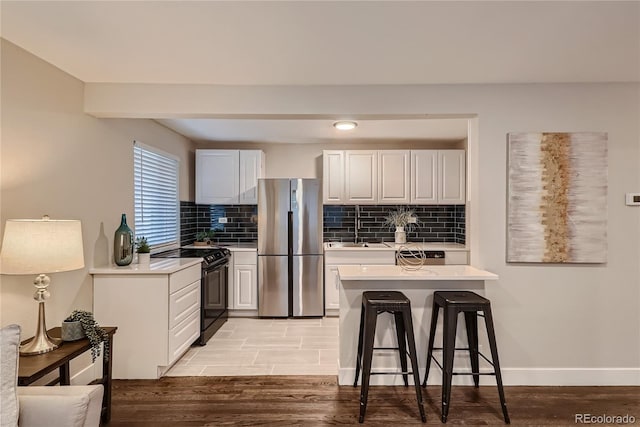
(318, 400)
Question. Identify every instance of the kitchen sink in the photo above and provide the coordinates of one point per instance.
(348, 245)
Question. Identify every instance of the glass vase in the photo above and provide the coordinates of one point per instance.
(123, 243)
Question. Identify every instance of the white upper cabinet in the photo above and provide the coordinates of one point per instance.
(424, 177)
(250, 171)
(438, 177)
(393, 176)
(452, 177)
(217, 176)
(361, 184)
(419, 177)
(333, 176)
(228, 176)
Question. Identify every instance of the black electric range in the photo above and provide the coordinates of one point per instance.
(214, 255)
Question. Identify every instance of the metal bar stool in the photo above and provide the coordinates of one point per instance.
(469, 303)
(396, 303)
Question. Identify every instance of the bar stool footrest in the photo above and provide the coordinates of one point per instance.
(391, 373)
(463, 349)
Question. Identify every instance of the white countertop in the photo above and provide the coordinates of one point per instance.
(430, 246)
(369, 247)
(233, 247)
(427, 272)
(156, 266)
(426, 246)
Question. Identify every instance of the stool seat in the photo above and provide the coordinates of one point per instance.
(471, 304)
(386, 300)
(373, 304)
(443, 298)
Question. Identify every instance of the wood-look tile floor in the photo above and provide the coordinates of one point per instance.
(249, 347)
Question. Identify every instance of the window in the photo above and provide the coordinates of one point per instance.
(156, 202)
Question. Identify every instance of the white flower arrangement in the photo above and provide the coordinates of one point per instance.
(401, 217)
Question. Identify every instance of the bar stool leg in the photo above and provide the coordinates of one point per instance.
(496, 364)
(359, 358)
(402, 345)
(471, 320)
(370, 317)
(408, 323)
(432, 334)
(448, 350)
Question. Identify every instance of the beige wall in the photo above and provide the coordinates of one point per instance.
(57, 160)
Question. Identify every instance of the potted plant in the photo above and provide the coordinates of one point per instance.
(143, 249)
(401, 218)
(211, 234)
(90, 329)
(202, 238)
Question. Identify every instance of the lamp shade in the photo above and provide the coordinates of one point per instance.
(35, 246)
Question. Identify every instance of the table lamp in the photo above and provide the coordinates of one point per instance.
(39, 246)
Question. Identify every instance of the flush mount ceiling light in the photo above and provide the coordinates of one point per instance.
(345, 125)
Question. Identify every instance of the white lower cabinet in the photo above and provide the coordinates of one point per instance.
(183, 335)
(243, 283)
(331, 288)
(157, 315)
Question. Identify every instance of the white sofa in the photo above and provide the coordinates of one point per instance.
(37, 406)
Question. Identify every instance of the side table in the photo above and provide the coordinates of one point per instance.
(32, 368)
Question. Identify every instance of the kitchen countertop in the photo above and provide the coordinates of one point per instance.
(233, 247)
(427, 246)
(427, 272)
(430, 246)
(156, 266)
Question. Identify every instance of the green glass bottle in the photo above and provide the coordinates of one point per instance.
(123, 243)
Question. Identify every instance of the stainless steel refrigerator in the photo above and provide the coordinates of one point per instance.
(290, 257)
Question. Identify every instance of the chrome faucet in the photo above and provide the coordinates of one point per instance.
(357, 227)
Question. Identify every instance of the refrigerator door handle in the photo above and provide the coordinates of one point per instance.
(290, 234)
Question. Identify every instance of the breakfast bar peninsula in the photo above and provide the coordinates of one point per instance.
(418, 285)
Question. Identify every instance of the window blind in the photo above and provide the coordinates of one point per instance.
(156, 196)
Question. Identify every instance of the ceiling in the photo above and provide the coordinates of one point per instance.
(303, 131)
(328, 43)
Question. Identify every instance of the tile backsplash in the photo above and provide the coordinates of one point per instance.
(241, 226)
(436, 223)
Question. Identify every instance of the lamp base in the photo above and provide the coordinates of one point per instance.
(39, 345)
(41, 342)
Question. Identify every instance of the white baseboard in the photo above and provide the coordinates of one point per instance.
(572, 376)
(520, 376)
(243, 313)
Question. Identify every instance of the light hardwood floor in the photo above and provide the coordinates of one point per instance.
(265, 347)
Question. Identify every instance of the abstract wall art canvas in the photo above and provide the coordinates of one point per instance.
(557, 197)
